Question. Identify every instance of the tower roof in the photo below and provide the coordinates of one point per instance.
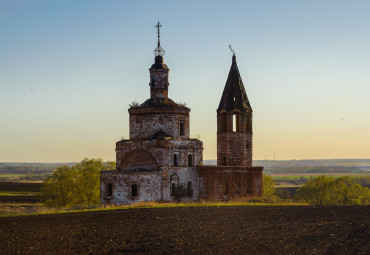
(158, 63)
(234, 96)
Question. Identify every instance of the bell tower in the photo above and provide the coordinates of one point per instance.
(159, 72)
(234, 122)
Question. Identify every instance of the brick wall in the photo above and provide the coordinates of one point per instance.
(144, 124)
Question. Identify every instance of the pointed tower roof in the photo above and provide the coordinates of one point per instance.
(234, 96)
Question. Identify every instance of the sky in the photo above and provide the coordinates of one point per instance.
(69, 70)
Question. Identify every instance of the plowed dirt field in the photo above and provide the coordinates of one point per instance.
(192, 230)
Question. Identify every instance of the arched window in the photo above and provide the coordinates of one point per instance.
(190, 160)
(174, 180)
(182, 128)
(173, 189)
(189, 190)
(175, 163)
(110, 189)
(236, 122)
(134, 190)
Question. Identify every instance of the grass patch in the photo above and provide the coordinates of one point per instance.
(17, 193)
(287, 185)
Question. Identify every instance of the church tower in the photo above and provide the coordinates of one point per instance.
(159, 72)
(234, 122)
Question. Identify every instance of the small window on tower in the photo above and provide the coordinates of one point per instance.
(182, 128)
(190, 160)
(175, 163)
(234, 123)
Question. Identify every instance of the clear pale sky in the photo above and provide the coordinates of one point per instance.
(69, 70)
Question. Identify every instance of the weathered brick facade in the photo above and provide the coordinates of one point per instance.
(160, 162)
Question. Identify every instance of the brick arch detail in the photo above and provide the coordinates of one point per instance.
(139, 159)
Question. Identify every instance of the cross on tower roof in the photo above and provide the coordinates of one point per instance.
(158, 51)
(231, 49)
(158, 26)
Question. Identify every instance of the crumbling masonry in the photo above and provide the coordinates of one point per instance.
(160, 162)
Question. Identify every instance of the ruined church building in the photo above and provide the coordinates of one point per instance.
(160, 162)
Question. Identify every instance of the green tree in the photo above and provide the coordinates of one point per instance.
(268, 186)
(58, 189)
(77, 185)
(329, 191)
(315, 191)
(364, 197)
(347, 190)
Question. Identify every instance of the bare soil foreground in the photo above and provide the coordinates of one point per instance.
(192, 230)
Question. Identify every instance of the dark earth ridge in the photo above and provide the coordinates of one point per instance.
(192, 230)
(20, 186)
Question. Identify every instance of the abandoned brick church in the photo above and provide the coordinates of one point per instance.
(160, 162)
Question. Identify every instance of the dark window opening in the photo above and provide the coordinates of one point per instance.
(173, 189)
(190, 190)
(223, 161)
(190, 160)
(110, 189)
(182, 128)
(134, 190)
(247, 145)
(175, 163)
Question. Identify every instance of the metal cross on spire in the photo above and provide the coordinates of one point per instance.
(231, 49)
(158, 51)
(158, 26)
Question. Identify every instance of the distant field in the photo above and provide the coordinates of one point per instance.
(287, 180)
(295, 176)
(11, 175)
